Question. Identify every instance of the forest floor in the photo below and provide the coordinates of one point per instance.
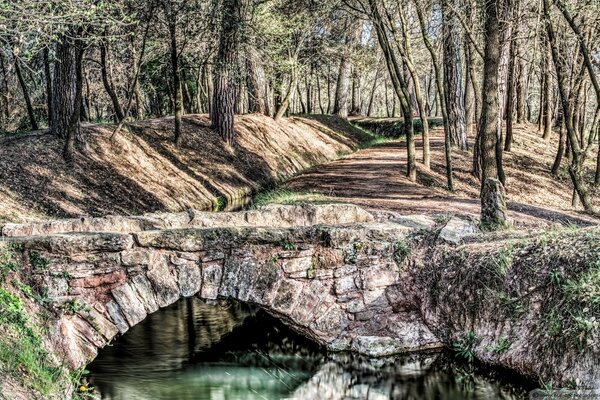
(375, 178)
(142, 171)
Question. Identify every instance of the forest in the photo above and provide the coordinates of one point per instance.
(299, 199)
(482, 66)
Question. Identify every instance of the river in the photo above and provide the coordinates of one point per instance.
(230, 351)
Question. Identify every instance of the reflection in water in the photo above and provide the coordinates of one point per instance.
(230, 351)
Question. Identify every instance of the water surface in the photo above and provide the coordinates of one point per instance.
(230, 351)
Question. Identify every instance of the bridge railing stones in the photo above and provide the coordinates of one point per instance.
(271, 215)
(340, 285)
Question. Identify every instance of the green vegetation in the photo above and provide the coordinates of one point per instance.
(465, 347)
(502, 347)
(289, 246)
(289, 197)
(21, 351)
(401, 251)
(37, 261)
(8, 260)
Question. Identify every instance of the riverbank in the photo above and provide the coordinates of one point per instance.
(142, 171)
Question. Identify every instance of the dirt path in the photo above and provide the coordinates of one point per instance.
(374, 178)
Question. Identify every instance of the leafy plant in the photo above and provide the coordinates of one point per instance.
(37, 261)
(465, 347)
(502, 347)
(289, 246)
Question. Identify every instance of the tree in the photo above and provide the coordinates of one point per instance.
(225, 77)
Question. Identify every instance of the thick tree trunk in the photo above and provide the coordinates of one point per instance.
(26, 97)
(453, 90)
(488, 126)
(340, 107)
(225, 89)
(67, 92)
(256, 82)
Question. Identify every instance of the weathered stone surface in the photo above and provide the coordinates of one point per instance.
(340, 285)
(81, 243)
(189, 276)
(114, 311)
(145, 292)
(163, 280)
(457, 230)
(212, 274)
(131, 306)
(177, 239)
(377, 346)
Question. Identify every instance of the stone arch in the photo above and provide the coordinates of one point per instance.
(339, 285)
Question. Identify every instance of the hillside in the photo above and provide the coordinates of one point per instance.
(143, 171)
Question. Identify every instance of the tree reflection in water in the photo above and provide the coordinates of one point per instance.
(193, 350)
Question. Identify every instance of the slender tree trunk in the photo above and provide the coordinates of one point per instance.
(441, 95)
(576, 169)
(177, 89)
(108, 86)
(30, 112)
(400, 86)
(48, 77)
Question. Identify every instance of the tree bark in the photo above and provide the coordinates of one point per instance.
(177, 89)
(488, 126)
(26, 97)
(48, 77)
(108, 86)
(441, 95)
(453, 90)
(67, 92)
(224, 96)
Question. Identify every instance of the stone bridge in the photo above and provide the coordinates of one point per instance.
(331, 272)
(375, 283)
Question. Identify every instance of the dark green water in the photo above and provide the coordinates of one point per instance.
(227, 351)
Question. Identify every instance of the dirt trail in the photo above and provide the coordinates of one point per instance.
(374, 178)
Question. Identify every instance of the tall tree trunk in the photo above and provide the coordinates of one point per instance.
(355, 109)
(48, 77)
(256, 82)
(67, 92)
(340, 107)
(177, 89)
(453, 90)
(108, 86)
(30, 112)
(400, 87)
(546, 114)
(488, 126)
(225, 70)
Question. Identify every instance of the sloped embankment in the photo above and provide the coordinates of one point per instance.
(143, 171)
